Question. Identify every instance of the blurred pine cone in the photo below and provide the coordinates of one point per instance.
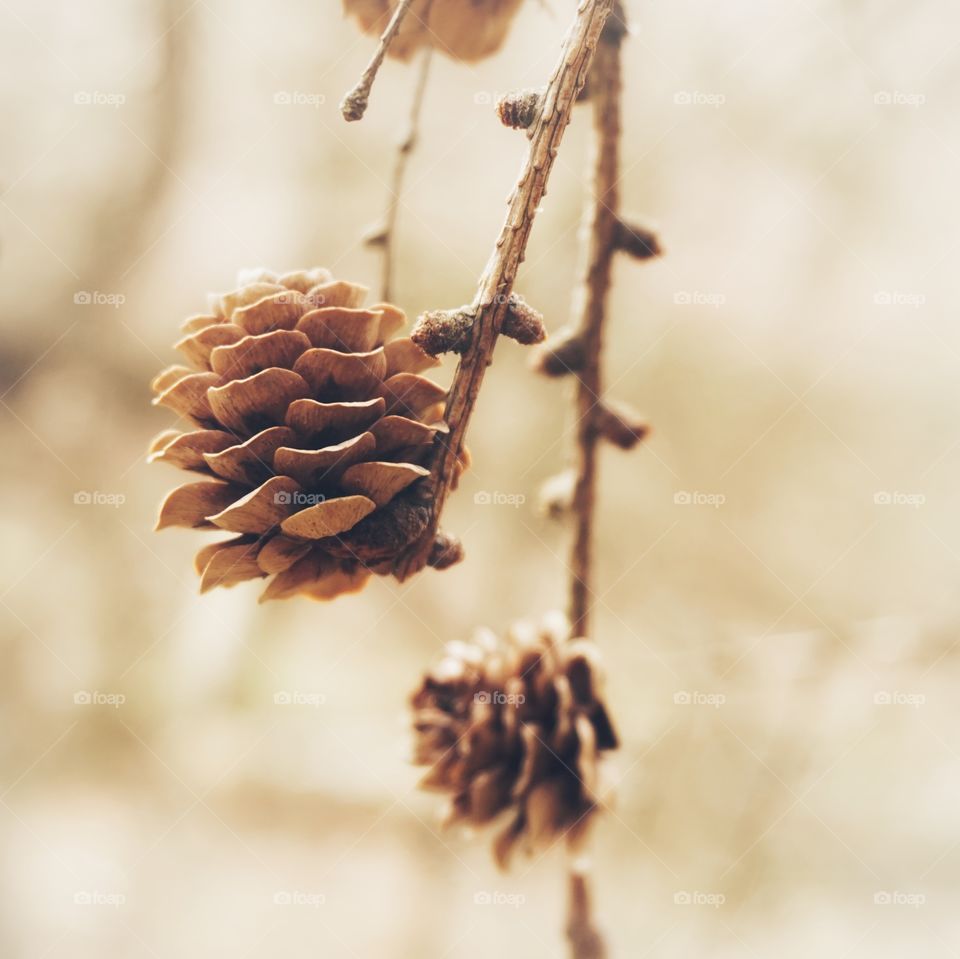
(517, 728)
(310, 426)
(462, 29)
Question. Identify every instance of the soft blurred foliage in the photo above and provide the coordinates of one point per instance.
(778, 565)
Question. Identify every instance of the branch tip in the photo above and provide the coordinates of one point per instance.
(636, 240)
(523, 323)
(620, 425)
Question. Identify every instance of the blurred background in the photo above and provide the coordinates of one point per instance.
(778, 564)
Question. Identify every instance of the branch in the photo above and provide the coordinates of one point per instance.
(602, 226)
(354, 104)
(385, 237)
(492, 300)
(586, 942)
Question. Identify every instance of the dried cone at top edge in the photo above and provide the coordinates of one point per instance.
(308, 424)
(514, 730)
(462, 29)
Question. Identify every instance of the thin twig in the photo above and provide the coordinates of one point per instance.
(404, 151)
(586, 942)
(492, 299)
(600, 226)
(354, 104)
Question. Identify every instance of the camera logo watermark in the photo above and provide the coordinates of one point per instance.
(83, 497)
(294, 897)
(699, 298)
(299, 98)
(495, 498)
(895, 697)
(494, 897)
(898, 498)
(898, 98)
(899, 298)
(686, 697)
(98, 298)
(97, 98)
(695, 897)
(498, 698)
(897, 898)
(697, 98)
(298, 697)
(687, 497)
(86, 697)
(298, 498)
(95, 897)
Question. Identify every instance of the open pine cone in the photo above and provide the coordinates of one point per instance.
(516, 728)
(463, 29)
(309, 428)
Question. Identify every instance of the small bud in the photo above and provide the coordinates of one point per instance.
(637, 241)
(620, 425)
(443, 331)
(563, 354)
(521, 109)
(556, 495)
(375, 235)
(446, 551)
(522, 322)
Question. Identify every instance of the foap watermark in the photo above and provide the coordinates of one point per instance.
(899, 298)
(297, 498)
(96, 497)
(898, 98)
(495, 897)
(498, 698)
(895, 897)
(299, 98)
(697, 897)
(699, 298)
(687, 697)
(97, 98)
(96, 897)
(94, 697)
(98, 298)
(295, 897)
(896, 697)
(298, 697)
(698, 98)
(496, 498)
(898, 498)
(695, 497)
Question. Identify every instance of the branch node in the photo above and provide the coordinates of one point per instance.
(556, 495)
(636, 240)
(444, 331)
(564, 353)
(520, 109)
(522, 322)
(620, 424)
(446, 551)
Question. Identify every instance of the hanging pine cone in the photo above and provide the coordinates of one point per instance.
(309, 429)
(462, 29)
(516, 728)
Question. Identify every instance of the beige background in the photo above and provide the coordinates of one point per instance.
(796, 352)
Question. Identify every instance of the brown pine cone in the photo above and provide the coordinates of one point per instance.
(462, 29)
(309, 429)
(516, 728)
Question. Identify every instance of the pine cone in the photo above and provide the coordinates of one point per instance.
(516, 728)
(463, 29)
(310, 430)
